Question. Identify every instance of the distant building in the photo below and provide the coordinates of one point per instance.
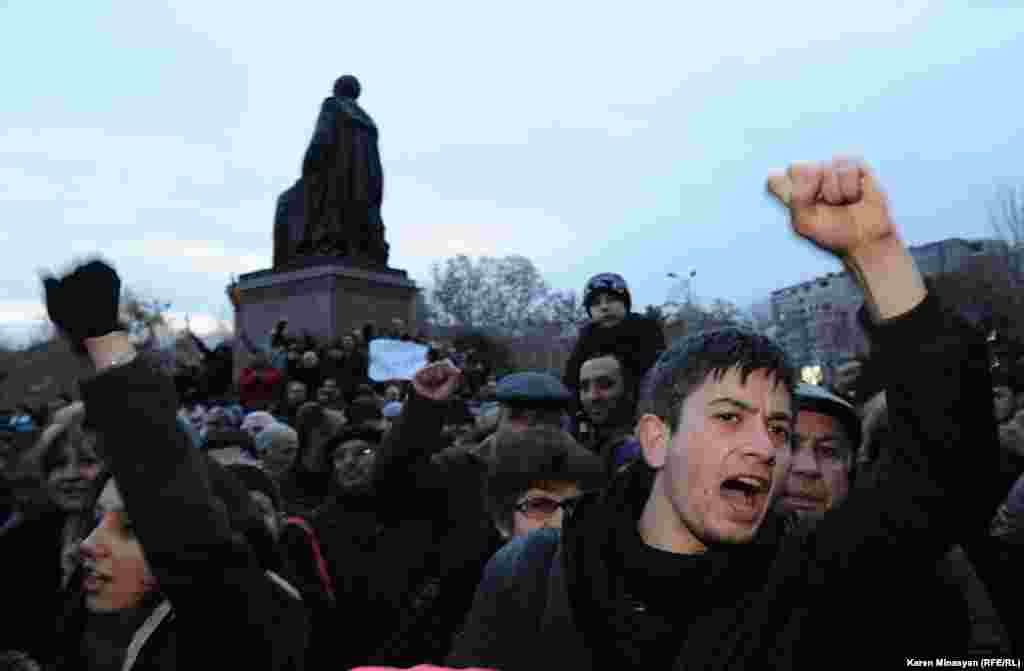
(816, 323)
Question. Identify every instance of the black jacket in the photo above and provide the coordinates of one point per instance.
(847, 591)
(31, 552)
(404, 560)
(223, 609)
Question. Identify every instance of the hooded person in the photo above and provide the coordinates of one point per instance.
(179, 561)
(612, 326)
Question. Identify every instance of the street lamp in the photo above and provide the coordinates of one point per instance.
(690, 284)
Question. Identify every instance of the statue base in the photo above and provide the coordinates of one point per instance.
(324, 296)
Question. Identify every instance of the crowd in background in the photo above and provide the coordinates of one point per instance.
(302, 515)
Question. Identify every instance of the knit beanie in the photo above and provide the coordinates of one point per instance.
(610, 283)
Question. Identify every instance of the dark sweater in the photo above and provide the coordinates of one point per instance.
(784, 601)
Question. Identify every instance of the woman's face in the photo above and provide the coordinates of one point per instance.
(117, 576)
(537, 509)
(69, 480)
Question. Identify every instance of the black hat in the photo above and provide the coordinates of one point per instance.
(610, 283)
(532, 390)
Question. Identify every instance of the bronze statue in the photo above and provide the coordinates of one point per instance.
(343, 183)
(289, 225)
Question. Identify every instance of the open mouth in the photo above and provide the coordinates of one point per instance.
(746, 495)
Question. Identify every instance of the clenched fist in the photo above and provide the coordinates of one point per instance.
(837, 206)
(438, 381)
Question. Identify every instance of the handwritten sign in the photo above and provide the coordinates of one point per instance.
(395, 359)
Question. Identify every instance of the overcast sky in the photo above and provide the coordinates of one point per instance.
(589, 137)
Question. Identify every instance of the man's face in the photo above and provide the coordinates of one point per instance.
(296, 393)
(601, 389)
(392, 393)
(607, 309)
(819, 475)
(310, 359)
(1002, 398)
(353, 464)
(717, 475)
(846, 378)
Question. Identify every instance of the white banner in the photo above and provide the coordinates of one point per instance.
(395, 359)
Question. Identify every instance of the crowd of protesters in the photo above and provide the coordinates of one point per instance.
(661, 505)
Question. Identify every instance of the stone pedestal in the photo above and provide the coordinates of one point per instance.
(326, 298)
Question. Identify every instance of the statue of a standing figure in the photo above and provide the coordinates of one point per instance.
(289, 224)
(343, 182)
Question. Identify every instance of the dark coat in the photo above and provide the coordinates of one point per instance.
(344, 180)
(31, 552)
(852, 586)
(226, 611)
(405, 561)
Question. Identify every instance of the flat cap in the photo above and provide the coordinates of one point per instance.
(532, 389)
(818, 399)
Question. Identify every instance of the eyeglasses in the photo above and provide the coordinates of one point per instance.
(543, 507)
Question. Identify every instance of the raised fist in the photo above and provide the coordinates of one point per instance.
(84, 303)
(437, 381)
(836, 205)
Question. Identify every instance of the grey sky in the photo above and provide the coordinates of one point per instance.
(588, 137)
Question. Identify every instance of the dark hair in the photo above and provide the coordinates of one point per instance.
(629, 377)
(539, 455)
(690, 361)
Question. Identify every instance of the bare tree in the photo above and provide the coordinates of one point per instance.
(502, 294)
(1006, 214)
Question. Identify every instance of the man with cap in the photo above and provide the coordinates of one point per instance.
(526, 400)
(826, 437)
(640, 339)
(825, 440)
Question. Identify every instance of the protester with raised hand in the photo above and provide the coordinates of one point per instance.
(681, 564)
(170, 577)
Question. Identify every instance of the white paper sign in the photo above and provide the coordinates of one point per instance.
(395, 359)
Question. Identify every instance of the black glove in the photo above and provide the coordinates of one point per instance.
(84, 303)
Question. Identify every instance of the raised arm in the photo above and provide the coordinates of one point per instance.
(943, 439)
(404, 459)
(200, 563)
